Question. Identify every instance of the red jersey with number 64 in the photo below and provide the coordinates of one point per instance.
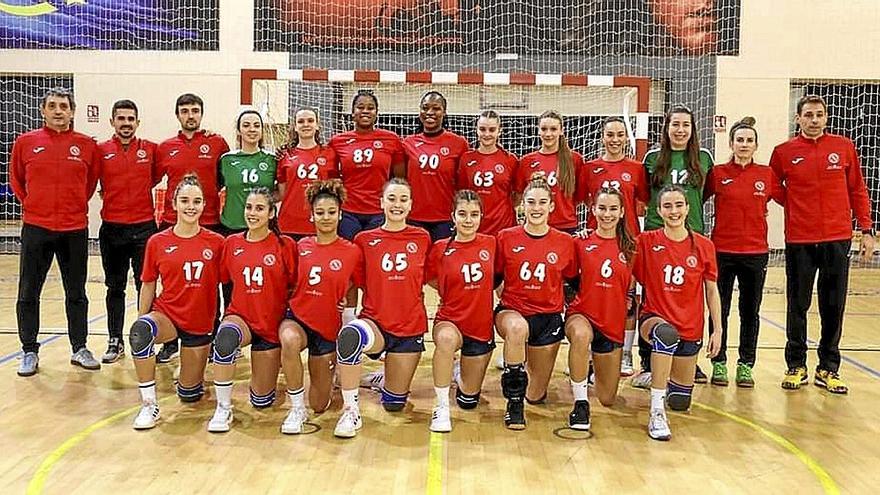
(297, 168)
(491, 176)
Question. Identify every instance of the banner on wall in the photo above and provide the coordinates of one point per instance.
(110, 24)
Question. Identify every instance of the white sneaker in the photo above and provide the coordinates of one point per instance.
(349, 423)
(293, 423)
(499, 361)
(221, 421)
(147, 416)
(374, 380)
(658, 426)
(626, 364)
(440, 421)
(456, 373)
(642, 380)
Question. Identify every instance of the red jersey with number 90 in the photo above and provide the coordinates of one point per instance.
(190, 272)
(365, 160)
(431, 166)
(297, 168)
(563, 215)
(673, 273)
(394, 273)
(491, 176)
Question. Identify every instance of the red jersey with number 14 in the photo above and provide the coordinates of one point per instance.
(297, 168)
(491, 176)
(563, 215)
(394, 267)
(627, 176)
(365, 160)
(431, 165)
(190, 272)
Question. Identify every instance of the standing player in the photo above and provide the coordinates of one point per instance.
(561, 165)
(678, 270)
(596, 319)
(261, 264)
(328, 266)
(432, 164)
(534, 260)
(490, 171)
(186, 258)
(394, 263)
(128, 175)
(53, 173)
(462, 270)
(824, 190)
(305, 160)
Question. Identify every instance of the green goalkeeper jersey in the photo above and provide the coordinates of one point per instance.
(240, 173)
(678, 174)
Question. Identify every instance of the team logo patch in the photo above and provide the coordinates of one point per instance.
(499, 168)
(622, 258)
(552, 258)
(759, 185)
(691, 261)
(208, 254)
(204, 148)
(412, 247)
(263, 166)
(335, 265)
(74, 150)
(377, 144)
(444, 151)
(141, 153)
(321, 160)
(484, 255)
(269, 259)
(626, 177)
(834, 158)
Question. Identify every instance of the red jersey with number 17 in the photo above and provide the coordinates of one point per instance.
(465, 274)
(365, 160)
(394, 267)
(534, 269)
(673, 273)
(190, 272)
(563, 215)
(297, 168)
(627, 176)
(431, 165)
(491, 176)
(324, 274)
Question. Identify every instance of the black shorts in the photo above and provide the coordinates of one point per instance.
(403, 345)
(318, 345)
(260, 344)
(544, 328)
(602, 344)
(474, 347)
(437, 230)
(686, 348)
(192, 339)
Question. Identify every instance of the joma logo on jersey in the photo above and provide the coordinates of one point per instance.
(518, 249)
(795, 161)
(173, 152)
(39, 149)
(535, 164)
(305, 252)
(374, 242)
(109, 156)
(591, 247)
(598, 170)
(170, 249)
(726, 181)
(658, 248)
(237, 251)
(471, 163)
(448, 251)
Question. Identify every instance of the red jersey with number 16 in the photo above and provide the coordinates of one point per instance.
(365, 160)
(297, 168)
(563, 216)
(431, 165)
(491, 176)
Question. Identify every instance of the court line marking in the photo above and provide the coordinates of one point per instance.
(434, 483)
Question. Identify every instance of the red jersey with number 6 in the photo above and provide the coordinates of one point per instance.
(563, 216)
(365, 160)
(491, 176)
(297, 168)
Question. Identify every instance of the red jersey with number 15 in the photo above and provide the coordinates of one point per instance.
(365, 160)
(491, 176)
(190, 272)
(431, 165)
(563, 215)
(297, 168)
(394, 267)
(627, 176)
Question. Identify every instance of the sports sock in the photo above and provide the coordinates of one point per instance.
(658, 396)
(579, 389)
(629, 337)
(350, 398)
(442, 396)
(148, 391)
(297, 398)
(224, 393)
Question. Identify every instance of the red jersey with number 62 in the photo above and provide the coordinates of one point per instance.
(365, 160)
(431, 164)
(297, 168)
(563, 216)
(394, 273)
(190, 272)
(673, 273)
(491, 176)
(465, 274)
(324, 274)
(534, 269)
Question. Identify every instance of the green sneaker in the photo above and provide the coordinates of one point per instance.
(744, 376)
(719, 374)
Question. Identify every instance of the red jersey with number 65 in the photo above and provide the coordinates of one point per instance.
(190, 272)
(465, 274)
(491, 176)
(534, 269)
(262, 274)
(431, 165)
(365, 160)
(605, 279)
(673, 273)
(563, 216)
(324, 274)
(297, 168)
(628, 177)
(394, 273)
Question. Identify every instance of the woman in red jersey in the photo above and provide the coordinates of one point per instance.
(462, 270)
(432, 162)
(393, 319)
(678, 270)
(561, 165)
(186, 257)
(490, 171)
(595, 320)
(328, 265)
(304, 160)
(534, 260)
(260, 263)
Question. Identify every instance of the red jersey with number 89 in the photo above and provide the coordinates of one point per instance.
(297, 168)
(190, 272)
(534, 269)
(563, 216)
(431, 164)
(394, 273)
(365, 160)
(465, 274)
(673, 273)
(491, 176)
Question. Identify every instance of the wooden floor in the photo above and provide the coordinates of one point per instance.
(68, 431)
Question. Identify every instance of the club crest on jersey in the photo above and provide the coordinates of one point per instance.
(412, 247)
(833, 158)
(444, 151)
(518, 249)
(377, 144)
(141, 153)
(321, 161)
(552, 258)
(622, 258)
(499, 168)
(74, 150)
(335, 265)
(484, 255)
(263, 166)
(691, 261)
(208, 254)
(203, 149)
(759, 186)
(269, 259)
(591, 247)
(626, 177)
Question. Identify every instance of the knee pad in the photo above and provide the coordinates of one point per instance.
(514, 381)
(262, 401)
(678, 397)
(664, 339)
(393, 402)
(226, 343)
(191, 394)
(142, 337)
(353, 339)
(466, 401)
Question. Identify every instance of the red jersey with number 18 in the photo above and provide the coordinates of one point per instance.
(190, 272)
(365, 160)
(394, 273)
(297, 168)
(491, 176)
(673, 273)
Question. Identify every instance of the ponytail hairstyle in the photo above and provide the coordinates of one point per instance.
(321, 189)
(245, 111)
(190, 179)
(564, 160)
(538, 181)
(293, 138)
(695, 178)
(670, 188)
(488, 114)
(429, 94)
(625, 240)
(464, 196)
(609, 120)
(743, 123)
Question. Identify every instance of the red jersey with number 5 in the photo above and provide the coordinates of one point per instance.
(394, 273)
(190, 272)
(628, 177)
(491, 176)
(563, 216)
(365, 160)
(431, 165)
(673, 274)
(534, 269)
(465, 274)
(324, 274)
(297, 168)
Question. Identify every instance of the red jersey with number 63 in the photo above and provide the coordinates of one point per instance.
(465, 274)
(365, 160)
(673, 273)
(563, 215)
(534, 269)
(190, 272)
(394, 273)
(297, 168)
(605, 279)
(491, 176)
(431, 164)
(627, 176)
(262, 274)
(323, 276)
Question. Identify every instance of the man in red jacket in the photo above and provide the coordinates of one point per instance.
(53, 172)
(824, 190)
